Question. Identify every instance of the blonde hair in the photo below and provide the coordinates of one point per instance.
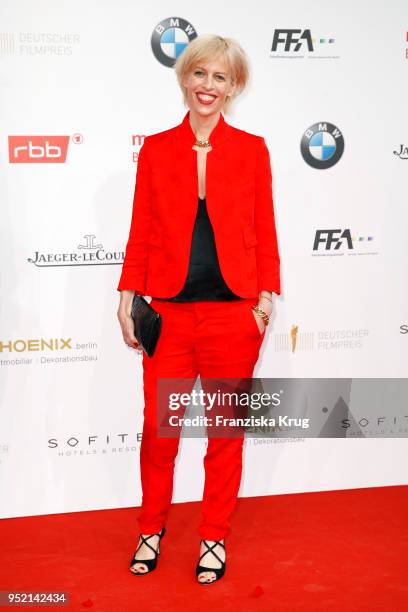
(207, 47)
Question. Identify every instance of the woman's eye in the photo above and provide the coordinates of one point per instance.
(200, 72)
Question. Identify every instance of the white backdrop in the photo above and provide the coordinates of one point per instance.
(71, 391)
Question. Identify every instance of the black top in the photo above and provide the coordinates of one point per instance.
(204, 279)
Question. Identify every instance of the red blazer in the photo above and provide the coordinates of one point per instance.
(239, 203)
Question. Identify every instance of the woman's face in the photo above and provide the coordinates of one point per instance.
(207, 87)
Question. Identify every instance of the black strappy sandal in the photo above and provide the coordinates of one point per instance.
(150, 563)
(218, 571)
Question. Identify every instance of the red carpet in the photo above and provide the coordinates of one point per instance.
(339, 550)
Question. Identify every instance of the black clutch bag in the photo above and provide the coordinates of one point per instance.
(147, 322)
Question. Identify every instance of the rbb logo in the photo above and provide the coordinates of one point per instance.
(290, 38)
(38, 149)
(332, 238)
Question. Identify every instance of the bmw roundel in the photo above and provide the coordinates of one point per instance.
(322, 145)
(169, 39)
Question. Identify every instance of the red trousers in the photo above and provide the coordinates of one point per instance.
(210, 339)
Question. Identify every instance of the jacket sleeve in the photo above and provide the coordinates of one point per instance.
(133, 275)
(267, 253)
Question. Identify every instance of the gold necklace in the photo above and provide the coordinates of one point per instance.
(202, 143)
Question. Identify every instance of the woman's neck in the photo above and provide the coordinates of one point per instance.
(203, 126)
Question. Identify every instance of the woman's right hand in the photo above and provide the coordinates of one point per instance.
(125, 319)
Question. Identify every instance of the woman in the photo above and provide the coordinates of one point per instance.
(203, 245)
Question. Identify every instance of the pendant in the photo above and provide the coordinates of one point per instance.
(202, 143)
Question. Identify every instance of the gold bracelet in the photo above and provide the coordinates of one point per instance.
(262, 313)
(265, 296)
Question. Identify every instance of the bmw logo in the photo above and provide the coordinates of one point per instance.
(169, 39)
(322, 145)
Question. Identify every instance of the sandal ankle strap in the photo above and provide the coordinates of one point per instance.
(145, 538)
(210, 549)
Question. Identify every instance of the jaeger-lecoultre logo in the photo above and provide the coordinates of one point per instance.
(91, 253)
